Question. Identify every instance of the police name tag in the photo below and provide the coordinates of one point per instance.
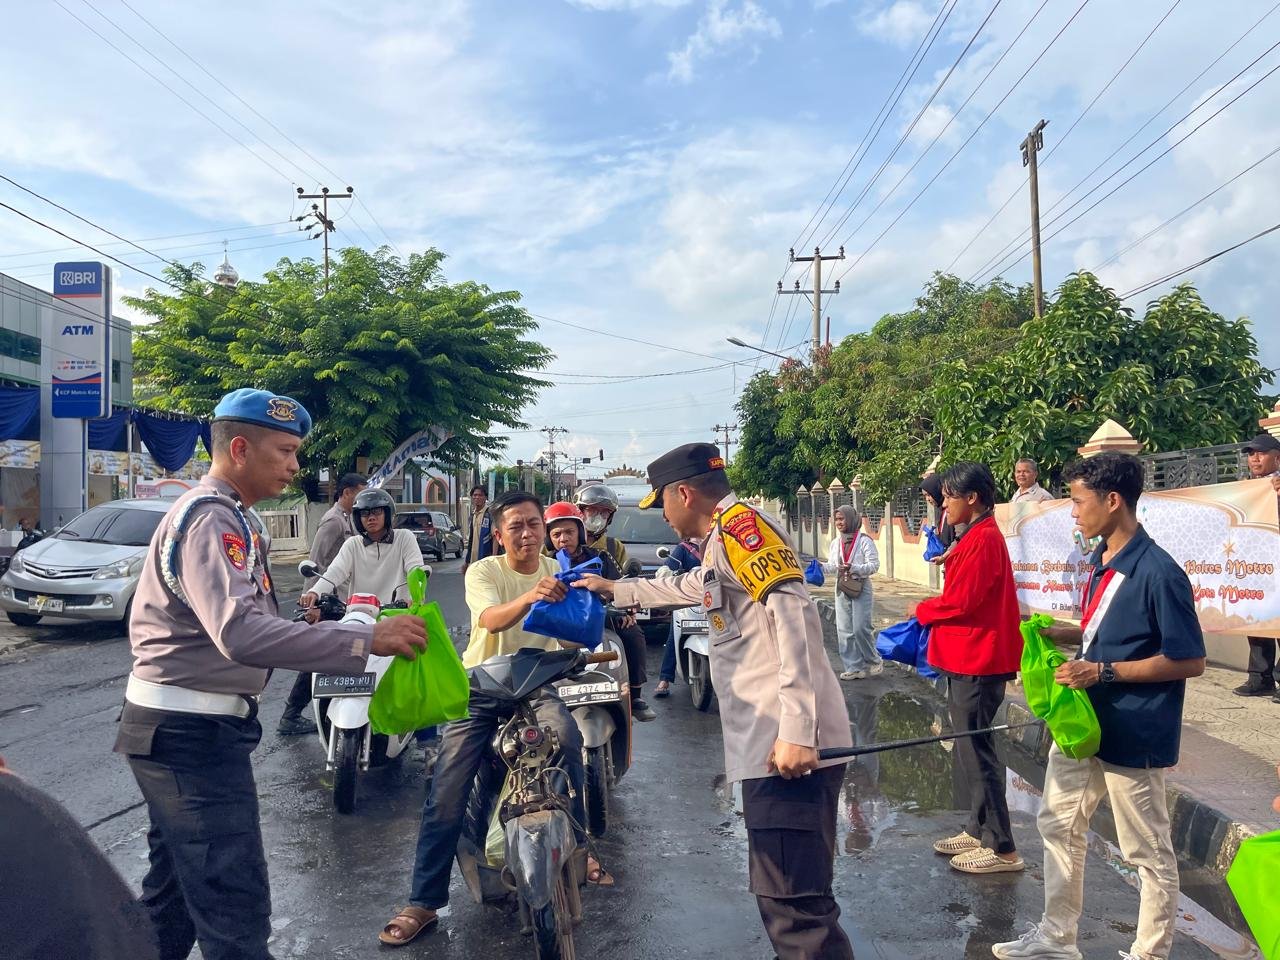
(343, 685)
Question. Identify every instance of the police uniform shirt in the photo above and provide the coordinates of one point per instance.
(768, 661)
(227, 632)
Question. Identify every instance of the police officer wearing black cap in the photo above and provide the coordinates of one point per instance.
(1263, 452)
(779, 697)
(205, 632)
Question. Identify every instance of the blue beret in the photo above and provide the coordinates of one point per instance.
(264, 409)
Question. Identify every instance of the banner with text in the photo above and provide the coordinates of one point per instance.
(1224, 536)
(424, 443)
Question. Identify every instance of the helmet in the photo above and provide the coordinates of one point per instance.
(565, 511)
(372, 498)
(597, 494)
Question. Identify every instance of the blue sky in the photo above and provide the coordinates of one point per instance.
(640, 167)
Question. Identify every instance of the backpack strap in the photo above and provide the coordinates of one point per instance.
(177, 529)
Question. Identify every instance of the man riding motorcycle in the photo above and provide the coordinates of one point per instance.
(567, 531)
(377, 561)
(598, 504)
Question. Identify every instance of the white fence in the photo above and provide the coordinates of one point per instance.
(287, 528)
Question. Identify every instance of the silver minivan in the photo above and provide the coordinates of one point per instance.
(86, 570)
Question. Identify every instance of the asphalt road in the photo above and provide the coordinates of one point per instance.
(678, 848)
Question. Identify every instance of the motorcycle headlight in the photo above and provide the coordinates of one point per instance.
(120, 570)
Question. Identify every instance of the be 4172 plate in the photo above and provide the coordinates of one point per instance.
(42, 604)
(343, 685)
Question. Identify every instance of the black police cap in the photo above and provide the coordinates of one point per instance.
(690, 460)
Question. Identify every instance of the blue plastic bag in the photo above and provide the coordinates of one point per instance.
(813, 573)
(907, 642)
(932, 545)
(579, 617)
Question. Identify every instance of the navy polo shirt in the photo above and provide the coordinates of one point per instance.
(1151, 613)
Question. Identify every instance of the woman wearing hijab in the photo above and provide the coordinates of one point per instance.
(947, 534)
(853, 558)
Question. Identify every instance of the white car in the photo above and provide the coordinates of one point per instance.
(86, 570)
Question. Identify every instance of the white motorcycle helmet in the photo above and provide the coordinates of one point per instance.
(597, 495)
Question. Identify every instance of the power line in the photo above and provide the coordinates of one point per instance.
(618, 336)
(198, 250)
(1075, 123)
(1009, 245)
(1187, 209)
(168, 236)
(1143, 169)
(266, 120)
(1199, 263)
(967, 141)
(886, 107)
(884, 164)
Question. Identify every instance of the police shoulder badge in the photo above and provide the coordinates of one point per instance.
(282, 409)
(760, 558)
(233, 546)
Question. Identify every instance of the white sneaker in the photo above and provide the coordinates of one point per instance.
(875, 670)
(854, 675)
(1035, 943)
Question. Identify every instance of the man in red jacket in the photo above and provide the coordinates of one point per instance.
(975, 642)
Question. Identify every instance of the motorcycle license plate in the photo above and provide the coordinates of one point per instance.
(696, 625)
(45, 604)
(641, 615)
(343, 685)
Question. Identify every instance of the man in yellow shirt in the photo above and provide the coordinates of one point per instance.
(500, 590)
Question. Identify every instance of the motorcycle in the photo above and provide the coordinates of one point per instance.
(600, 702)
(693, 649)
(544, 867)
(341, 703)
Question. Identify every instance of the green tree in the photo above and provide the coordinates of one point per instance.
(391, 349)
(510, 479)
(767, 460)
(1182, 376)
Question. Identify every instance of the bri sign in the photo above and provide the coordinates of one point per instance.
(1224, 536)
(80, 341)
(424, 443)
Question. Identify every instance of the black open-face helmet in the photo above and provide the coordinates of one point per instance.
(372, 498)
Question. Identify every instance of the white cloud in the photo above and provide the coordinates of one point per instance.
(902, 22)
(612, 5)
(720, 29)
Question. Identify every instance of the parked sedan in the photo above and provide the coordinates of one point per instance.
(438, 536)
(87, 570)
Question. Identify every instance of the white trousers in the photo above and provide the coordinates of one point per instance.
(1072, 792)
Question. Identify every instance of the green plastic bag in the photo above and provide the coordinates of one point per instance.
(1252, 878)
(1068, 713)
(425, 691)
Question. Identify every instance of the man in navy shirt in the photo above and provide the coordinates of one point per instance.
(1140, 641)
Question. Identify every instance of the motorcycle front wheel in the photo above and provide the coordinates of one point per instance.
(346, 764)
(596, 762)
(553, 926)
(700, 688)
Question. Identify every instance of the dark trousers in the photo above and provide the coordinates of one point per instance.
(791, 841)
(299, 696)
(633, 644)
(462, 746)
(667, 671)
(208, 877)
(1262, 661)
(973, 704)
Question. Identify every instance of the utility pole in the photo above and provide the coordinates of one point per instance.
(725, 428)
(551, 433)
(1030, 147)
(322, 221)
(816, 299)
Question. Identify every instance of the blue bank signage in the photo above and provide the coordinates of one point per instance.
(80, 345)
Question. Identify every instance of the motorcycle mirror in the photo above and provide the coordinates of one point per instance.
(309, 569)
(633, 568)
(664, 552)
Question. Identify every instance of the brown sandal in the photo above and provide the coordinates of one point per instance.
(410, 921)
(597, 874)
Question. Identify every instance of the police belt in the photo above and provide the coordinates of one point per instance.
(166, 696)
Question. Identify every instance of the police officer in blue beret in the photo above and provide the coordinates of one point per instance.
(205, 632)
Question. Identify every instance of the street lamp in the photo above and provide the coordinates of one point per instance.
(738, 343)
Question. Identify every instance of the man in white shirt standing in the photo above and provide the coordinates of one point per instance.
(1026, 475)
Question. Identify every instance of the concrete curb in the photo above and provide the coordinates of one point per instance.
(1206, 832)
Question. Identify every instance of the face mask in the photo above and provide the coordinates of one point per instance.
(596, 524)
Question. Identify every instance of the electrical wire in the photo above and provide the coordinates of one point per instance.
(618, 336)
(967, 141)
(1007, 247)
(1061, 140)
(169, 236)
(1199, 263)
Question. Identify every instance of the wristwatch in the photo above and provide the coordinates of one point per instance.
(1108, 673)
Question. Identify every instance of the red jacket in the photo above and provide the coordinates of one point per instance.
(974, 624)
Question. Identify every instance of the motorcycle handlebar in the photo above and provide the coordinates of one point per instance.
(607, 657)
